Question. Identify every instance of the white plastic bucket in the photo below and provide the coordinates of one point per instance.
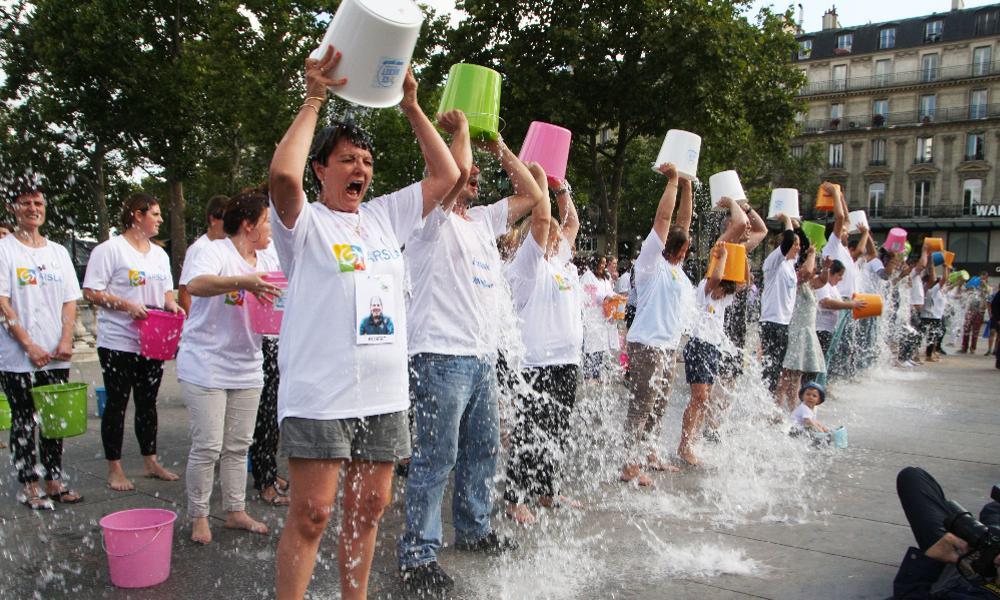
(726, 184)
(784, 201)
(857, 218)
(376, 38)
(683, 149)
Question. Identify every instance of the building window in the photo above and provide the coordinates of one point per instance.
(845, 41)
(986, 22)
(929, 68)
(981, 59)
(837, 156)
(836, 111)
(805, 49)
(933, 31)
(798, 151)
(921, 198)
(878, 151)
(876, 199)
(839, 78)
(977, 104)
(928, 104)
(974, 143)
(887, 38)
(972, 194)
(880, 112)
(969, 246)
(883, 72)
(925, 147)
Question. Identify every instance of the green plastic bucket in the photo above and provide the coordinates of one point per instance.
(816, 233)
(62, 409)
(5, 416)
(475, 91)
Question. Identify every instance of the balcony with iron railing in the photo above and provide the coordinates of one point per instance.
(970, 112)
(888, 80)
(911, 210)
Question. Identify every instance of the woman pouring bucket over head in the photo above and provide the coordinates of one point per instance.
(343, 396)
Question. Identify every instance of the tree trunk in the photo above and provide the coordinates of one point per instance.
(101, 194)
(178, 235)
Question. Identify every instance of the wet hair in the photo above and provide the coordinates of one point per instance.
(327, 139)
(139, 201)
(787, 241)
(836, 267)
(246, 206)
(804, 245)
(729, 287)
(22, 189)
(215, 208)
(597, 262)
(885, 255)
(851, 245)
(677, 236)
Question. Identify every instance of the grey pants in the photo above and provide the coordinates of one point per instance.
(650, 375)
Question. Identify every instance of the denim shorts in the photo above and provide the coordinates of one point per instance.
(701, 361)
(377, 438)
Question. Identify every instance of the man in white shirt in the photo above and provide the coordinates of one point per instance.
(213, 219)
(777, 303)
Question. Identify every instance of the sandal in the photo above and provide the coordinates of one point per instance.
(61, 497)
(276, 500)
(36, 502)
(282, 486)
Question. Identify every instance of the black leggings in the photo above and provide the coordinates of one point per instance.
(18, 386)
(265, 432)
(774, 343)
(933, 332)
(541, 432)
(125, 373)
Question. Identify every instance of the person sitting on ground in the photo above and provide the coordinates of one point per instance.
(811, 395)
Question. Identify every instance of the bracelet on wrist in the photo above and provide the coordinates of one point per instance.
(306, 104)
(322, 99)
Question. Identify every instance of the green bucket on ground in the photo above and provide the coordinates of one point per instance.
(5, 416)
(816, 233)
(475, 91)
(62, 409)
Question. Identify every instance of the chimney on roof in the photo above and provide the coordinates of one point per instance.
(830, 18)
(957, 4)
(802, 17)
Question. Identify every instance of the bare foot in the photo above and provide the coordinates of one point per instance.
(200, 531)
(117, 479)
(241, 520)
(559, 502)
(521, 514)
(633, 474)
(688, 457)
(653, 462)
(154, 470)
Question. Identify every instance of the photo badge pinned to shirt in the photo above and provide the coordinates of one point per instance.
(375, 305)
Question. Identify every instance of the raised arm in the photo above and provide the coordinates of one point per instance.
(442, 172)
(713, 279)
(526, 188)
(738, 222)
(686, 210)
(808, 268)
(289, 160)
(455, 123)
(758, 229)
(541, 212)
(665, 209)
(839, 207)
(567, 214)
(862, 248)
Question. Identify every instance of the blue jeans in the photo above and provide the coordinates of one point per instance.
(457, 426)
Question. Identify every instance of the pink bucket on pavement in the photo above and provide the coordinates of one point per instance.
(896, 240)
(160, 334)
(548, 145)
(138, 543)
(266, 318)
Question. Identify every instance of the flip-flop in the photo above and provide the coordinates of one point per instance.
(60, 497)
(277, 500)
(45, 504)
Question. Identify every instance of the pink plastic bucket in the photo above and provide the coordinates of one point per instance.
(548, 145)
(266, 318)
(138, 543)
(160, 334)
(896, 240)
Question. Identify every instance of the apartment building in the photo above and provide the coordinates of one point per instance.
(907, 113)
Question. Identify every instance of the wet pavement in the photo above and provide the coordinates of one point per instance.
(844, 541)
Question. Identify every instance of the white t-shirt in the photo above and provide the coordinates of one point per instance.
(664, 298)
(916, 286)
(849, 282)
(456, 282)
(192, 251)
(547, 302)
(826, 318)
(599, 334)
(121, 270)
(219, 349)
(325, 372)
(934, 303)
(710, 324)
(624, 282)
(778, 298)
(38, 281)
(801, 413)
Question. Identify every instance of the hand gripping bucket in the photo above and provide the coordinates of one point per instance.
(266, 318)
(784, 201)
(858, 218)
(726, 184)
(736, 263)
(824, 201)
(376, 38)
(548, 145)
(62, 409)
(160, 334)
(816, 233)
(475, 91)
(896, 240)
(934, 244)
(5, 415)
(683, 149)
(138, 543)
(872, 308)
(937, 258)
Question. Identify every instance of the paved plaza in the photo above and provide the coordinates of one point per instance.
(845, 541)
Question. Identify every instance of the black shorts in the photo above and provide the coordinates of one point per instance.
(701, 361)
(731, 364)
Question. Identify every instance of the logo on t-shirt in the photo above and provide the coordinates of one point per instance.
(349, 257)
(26, 276)
(236, 298)
(562, 283)
(136, 278)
